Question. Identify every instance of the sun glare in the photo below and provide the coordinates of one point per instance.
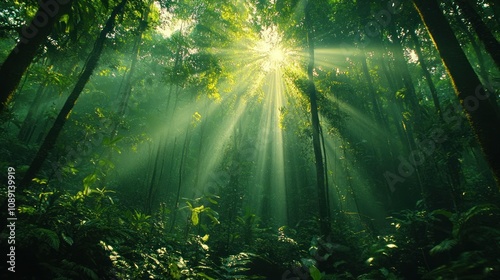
(276, 55)
(270, 49)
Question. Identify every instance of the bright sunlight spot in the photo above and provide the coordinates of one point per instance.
(276, 55)
(270, 48)
(412, 55)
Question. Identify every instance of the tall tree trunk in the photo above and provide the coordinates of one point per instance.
(152, 181)
(381, 153)
(363, 11)
(32, 37)
(126, 86)
(324, 212)
(427, 74)
(29, 122)
(349, 180)
(199, 162)
(480, 111)
(63, 115)
(371, 89)
(177, 63)
(401, 65)
(453, 163)
(483, 73)
(396, 106)
(483, 32)
(181, 175)
(484, 76)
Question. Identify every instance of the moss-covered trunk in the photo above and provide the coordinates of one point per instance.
(479, 108)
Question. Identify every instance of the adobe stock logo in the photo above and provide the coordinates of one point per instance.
(453, 119)
(373, 28)
(48, 10)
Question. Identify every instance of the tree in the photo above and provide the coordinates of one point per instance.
(479, 109)
(427, 74)
(324, 212)
(32, 37)
(484, 34)
(63, 115)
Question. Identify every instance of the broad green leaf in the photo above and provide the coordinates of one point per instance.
(67, 239)
(194, 218)
(315, 273)
(445, 245)
(205, 238)
(48, 236)
(213, 201)
(443, 212)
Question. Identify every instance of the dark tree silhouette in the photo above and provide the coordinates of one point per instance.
(324, 211)
(480, 110)
(484, 34)
(32, 37)
(88, 69)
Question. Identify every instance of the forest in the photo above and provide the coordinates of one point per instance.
(250, 139)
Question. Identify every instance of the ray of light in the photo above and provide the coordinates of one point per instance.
(269, 194)
(360, 120)
(253, 91)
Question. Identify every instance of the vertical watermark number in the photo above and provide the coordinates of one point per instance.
(11, 218)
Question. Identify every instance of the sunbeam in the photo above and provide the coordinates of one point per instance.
(305, 139)
(270, 49)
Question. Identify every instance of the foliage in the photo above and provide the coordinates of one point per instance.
(63, 233)
(185, 157)
(475, 241)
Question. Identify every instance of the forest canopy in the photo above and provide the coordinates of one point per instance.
(250, 139)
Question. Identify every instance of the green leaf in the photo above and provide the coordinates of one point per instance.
(194, 218)
(315, 273)
(339, 263)
(199, 209)
(205, 238)
(110, 142)
(213, 218)
(40, 181)
(443, 212)
(67, 239)
(204, 276)
(445, 245)
(99, 113)
(89, 180)
(48, 236)
(213, 201)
